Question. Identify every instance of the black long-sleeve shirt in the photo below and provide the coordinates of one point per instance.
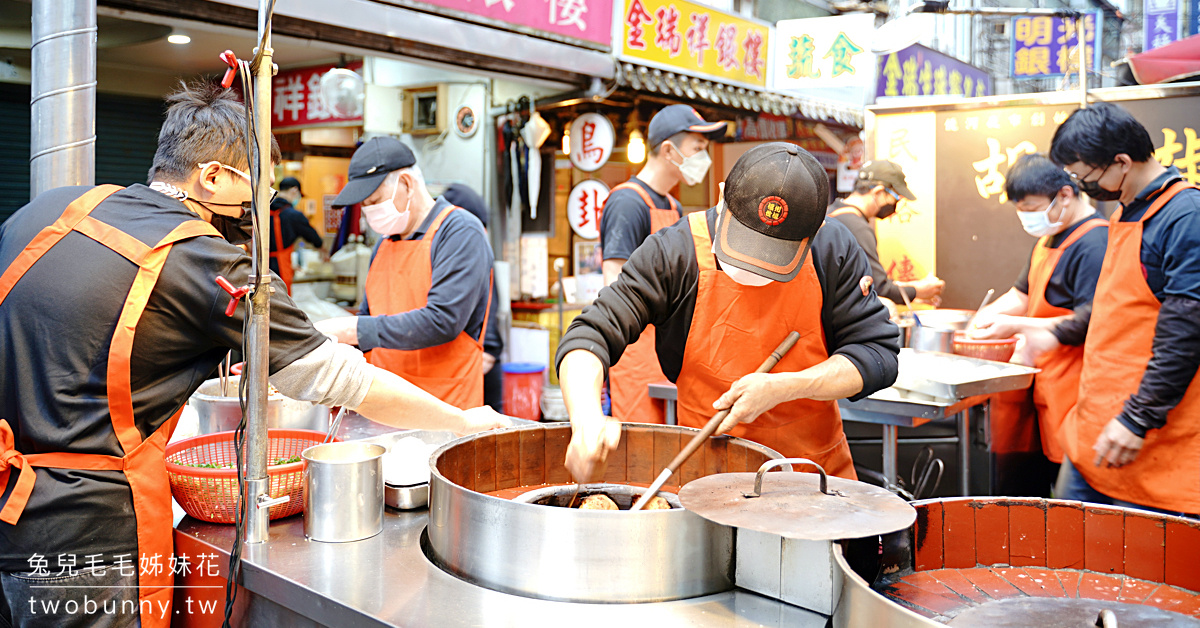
(1170, 259)
(658, 285)
(864, 234)
(293, 226)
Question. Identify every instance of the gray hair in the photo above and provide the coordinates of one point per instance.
(204, 123)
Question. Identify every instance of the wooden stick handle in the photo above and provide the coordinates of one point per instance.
(710, 428)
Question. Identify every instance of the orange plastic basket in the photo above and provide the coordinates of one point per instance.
(212, 494)
(996, 350)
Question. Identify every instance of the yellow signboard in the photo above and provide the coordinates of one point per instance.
(696, 39)
(908, 238)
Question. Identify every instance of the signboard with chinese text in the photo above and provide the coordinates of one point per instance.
(1045, 46)
(766, 127)
(592, 138)
(1161, 23)
(921, 71)
(296, 101)
(696, 39)
(907, 239)
(590, 20)
(583, 208)
(980, 243)
(824, 52)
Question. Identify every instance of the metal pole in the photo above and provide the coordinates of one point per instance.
(257, 514)
(1080, 23)
(62, 148)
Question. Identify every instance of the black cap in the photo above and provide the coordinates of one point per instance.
(887, 173)
(677, 119)
(462, 196)
(370, 164)
(775, 198)
(289, 183)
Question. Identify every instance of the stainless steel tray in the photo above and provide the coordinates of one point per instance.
(955, 377)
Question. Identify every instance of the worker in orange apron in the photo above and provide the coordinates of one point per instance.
(429, 286)
(727, 286)
(287, 226)
(678, 138)
(1133, 438)
(1061, 277)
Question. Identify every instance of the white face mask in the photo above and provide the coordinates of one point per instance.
(694, 168)
(385, 218)
(739, 276)
(1037, 224)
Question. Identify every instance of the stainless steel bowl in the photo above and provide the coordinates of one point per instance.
(569, 554)
(926, 338)
(221, 413)
(948, 318)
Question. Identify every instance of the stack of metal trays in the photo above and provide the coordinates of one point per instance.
(946, 377)
(408, 487)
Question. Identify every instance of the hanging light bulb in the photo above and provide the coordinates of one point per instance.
(566, 144)
(636, 151)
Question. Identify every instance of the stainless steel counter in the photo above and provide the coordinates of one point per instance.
(388, 581)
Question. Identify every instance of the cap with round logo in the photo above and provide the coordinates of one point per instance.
(775, 199)
(369, 166)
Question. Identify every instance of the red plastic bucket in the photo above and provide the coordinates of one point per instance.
(523, 390)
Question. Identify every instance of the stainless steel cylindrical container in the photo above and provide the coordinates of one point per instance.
(926, 338)
(579, 555)
(222, 413)
(343, 491)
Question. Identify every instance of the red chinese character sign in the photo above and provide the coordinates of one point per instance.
(592, 138)
(583, 208)
(696, 39)
(296, 101)
(590, 20)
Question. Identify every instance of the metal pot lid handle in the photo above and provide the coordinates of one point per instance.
(779, 462)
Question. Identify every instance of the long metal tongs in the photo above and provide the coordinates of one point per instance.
(710, 428)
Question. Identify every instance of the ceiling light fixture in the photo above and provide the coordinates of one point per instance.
(179, 39)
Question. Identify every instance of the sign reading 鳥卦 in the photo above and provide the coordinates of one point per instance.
(592, 140)
(1045, 46)
(824, 52)
(296, 99)
(696, 39)
(590, 20)
(920, 71)
(1161, 24)
(583, 208)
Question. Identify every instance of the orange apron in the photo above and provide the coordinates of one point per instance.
(1118, 347)
(143, 463)
(281, 255)
(398, 282)
(734, 328)
(629, 379)
(1014, 413)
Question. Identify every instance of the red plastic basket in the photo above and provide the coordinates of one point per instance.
(212, 494)
(996, 350)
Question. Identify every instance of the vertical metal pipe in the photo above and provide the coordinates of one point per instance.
(1080, 23)
(964, 453)
(62, 148)
(257, 516)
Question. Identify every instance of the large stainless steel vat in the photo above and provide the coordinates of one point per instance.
(569, 554)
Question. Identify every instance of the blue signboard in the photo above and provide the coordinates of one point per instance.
(1161, 24)
(1044, 46)
(921, 71)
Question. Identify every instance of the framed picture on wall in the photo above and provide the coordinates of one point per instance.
(587, 258)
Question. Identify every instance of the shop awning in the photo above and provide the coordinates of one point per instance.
(1173, 62)
(653, 80)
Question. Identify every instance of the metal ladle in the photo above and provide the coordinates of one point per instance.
(908, 304)
(333, 429)
(986, 298)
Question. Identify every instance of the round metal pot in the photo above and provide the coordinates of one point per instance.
(926, 338)
(343, 491)
(219, 413)
(568, 554)
(953, 319)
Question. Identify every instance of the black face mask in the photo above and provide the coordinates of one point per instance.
(1093, 189)
(886, 210)
(236, 231)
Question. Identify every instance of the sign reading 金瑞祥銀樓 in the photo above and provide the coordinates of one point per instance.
(696, 39)
(296, 100)
(824, 52)
(920, 71)
(1046, 47)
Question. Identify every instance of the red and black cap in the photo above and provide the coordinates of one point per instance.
(775, 200)
(677, 119)
(369, 166)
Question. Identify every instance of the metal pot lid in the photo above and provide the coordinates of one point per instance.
(805, 506)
